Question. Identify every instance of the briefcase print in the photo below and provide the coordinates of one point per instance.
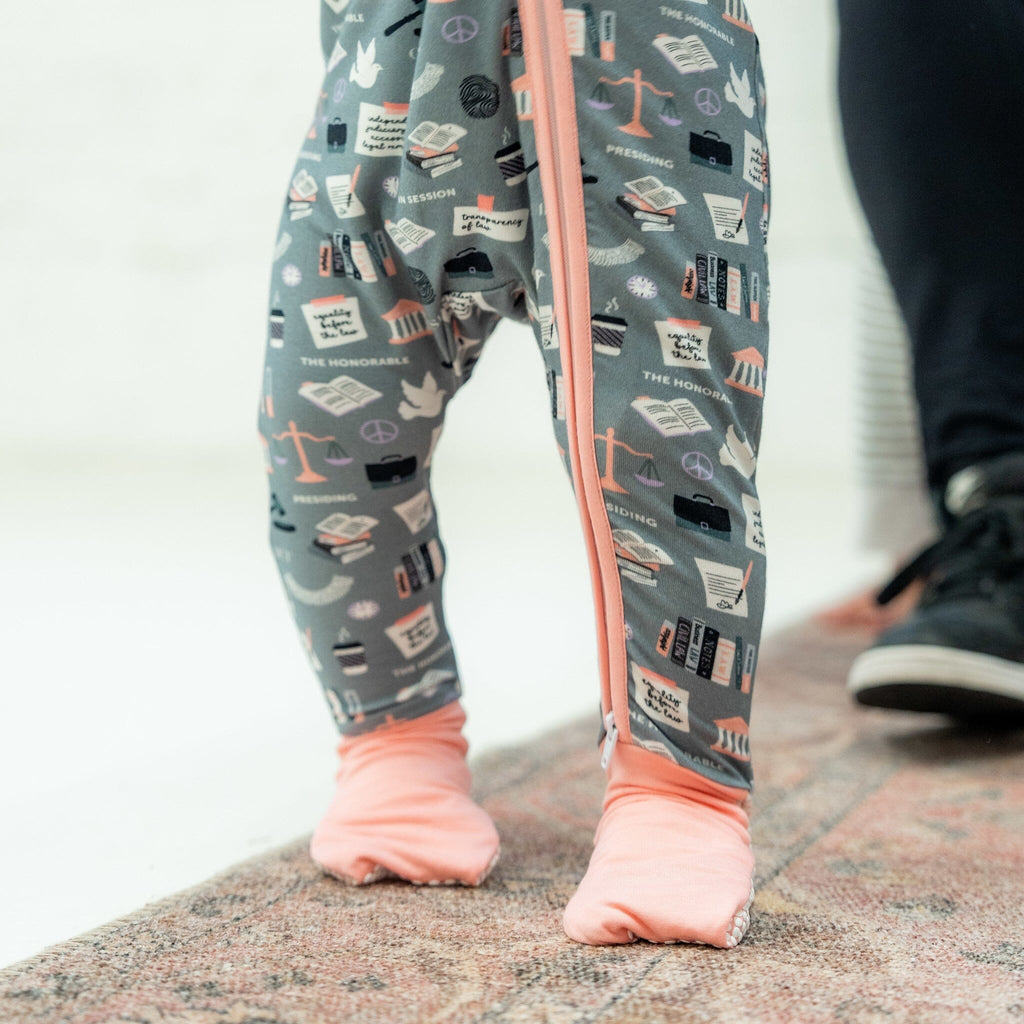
(469, 262)
(701, 513)
(391, 470)
(337, 135)
(709, 149)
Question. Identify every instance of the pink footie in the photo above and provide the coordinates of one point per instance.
(402, 807)
(672, 859)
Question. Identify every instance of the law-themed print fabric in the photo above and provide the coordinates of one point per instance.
(414, 221)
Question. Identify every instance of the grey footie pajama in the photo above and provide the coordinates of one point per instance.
(600, 172)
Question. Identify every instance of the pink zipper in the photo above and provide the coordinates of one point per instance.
(558, 153)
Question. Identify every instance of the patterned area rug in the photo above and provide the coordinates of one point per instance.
(889, 889)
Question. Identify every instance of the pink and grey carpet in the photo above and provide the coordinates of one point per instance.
(890, 888)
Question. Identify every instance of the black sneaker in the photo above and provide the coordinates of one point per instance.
(961, 652)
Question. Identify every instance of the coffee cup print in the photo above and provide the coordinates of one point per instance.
(608, 334)
(511, 163)
(351, 658)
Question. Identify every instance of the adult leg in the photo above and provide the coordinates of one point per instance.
(925, 97)
(655, 278)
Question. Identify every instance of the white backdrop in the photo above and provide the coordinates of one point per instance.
(146, 152)
(157, 717)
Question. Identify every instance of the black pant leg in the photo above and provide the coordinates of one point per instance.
(932, 100)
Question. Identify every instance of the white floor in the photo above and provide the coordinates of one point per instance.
(158, 720)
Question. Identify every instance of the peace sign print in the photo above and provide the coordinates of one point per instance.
(708, 101)
(698, 465)
(459, 29)
(378, 431)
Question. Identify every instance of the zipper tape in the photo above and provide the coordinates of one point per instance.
(545, 41)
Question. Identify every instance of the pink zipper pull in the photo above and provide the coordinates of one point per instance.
(610, 739)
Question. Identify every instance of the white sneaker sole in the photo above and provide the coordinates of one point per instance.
(926, 677)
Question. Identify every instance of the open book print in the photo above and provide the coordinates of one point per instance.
(339, 396)
(639, 549)
(655, 194)
(671, 419)
(407, 235)
(687, 55)
(434, 137)
(346, 527)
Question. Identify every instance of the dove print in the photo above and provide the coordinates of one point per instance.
(599, 173)
(364, 68)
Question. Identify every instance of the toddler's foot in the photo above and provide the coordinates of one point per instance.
(672, 859)
(402, 807)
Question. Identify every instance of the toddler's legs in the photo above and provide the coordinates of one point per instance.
(657, 280)
(378, 312)
(645, 277)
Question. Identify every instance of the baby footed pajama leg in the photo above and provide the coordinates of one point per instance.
(403, 808)
(648, 125)
(379, 311)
